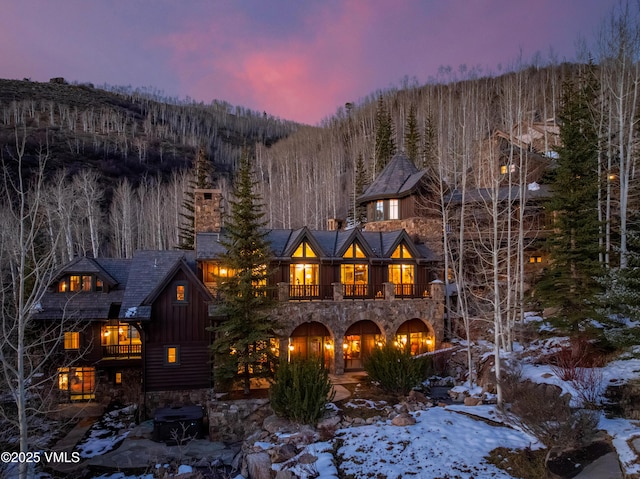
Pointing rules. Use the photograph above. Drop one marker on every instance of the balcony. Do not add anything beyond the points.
(345, 292)
(122, 351)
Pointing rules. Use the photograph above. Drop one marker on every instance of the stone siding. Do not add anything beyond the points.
(232, 421)
(178, 398)
(426, 230)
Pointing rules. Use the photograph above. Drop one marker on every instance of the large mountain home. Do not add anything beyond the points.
(139, 325)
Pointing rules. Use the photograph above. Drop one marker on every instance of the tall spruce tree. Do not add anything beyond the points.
(201, 177)
(385, 146)
(242, 346)
(412, 137)
(429, 151)
(570, 280)
(358, 213)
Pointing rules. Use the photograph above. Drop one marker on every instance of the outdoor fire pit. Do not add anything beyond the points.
(176, 425)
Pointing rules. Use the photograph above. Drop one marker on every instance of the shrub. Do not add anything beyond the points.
(301, 391)
(395, 369)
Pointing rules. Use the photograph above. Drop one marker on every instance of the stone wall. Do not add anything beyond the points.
(388, 315)
(425, 230)
(178, 398)
(207, 211)
(232, 421)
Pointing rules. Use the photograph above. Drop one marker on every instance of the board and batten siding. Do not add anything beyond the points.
(182, 326)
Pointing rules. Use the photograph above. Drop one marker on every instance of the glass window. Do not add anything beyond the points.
(78, 383)
(74, 283)
(86, 283)
(304, 251)
(354, 251)
(63, 286)
(354, 273)
(118, 378)
(393, 210)
(99, 285)
(72, 340)
(300, 273)
(172, 355)
(401, 252)
(180, 291)
(379, 211)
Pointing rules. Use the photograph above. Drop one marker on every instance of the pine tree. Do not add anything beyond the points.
(242, 346)
(429, 154)
(358, 213)
(412, 137)
(385, 146)
(570, 281)
(201, 177)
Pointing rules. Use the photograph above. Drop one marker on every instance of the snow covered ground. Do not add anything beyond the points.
(444, 442)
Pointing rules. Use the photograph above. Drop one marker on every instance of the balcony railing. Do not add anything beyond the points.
(122, 351)
(337, 291)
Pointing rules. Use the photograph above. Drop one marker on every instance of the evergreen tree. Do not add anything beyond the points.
(412, 137)
(385, 145)
(570, 281)
(622, 285)
(429, 153)
(201, 178)
(242, 344)
(358, 213)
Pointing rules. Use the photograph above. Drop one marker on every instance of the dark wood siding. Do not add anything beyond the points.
(181, 325)
(192, 372)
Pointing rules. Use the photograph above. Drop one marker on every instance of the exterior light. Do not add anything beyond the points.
(345, 346)
(291, 347)
(328, 345)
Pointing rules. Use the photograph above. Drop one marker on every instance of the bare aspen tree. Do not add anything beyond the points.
(26, 344)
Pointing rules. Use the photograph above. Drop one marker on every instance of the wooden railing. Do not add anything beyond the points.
(122, 351)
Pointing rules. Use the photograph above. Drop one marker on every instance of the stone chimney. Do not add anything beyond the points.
(208, 211)
(334, 224)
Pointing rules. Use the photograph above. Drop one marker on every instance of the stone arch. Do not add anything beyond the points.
(417, 334)
(359, 340)
(311, 339)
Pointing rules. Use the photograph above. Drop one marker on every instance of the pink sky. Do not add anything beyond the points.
(298, 60)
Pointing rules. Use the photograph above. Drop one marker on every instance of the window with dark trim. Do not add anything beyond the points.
(72, 340)
(180, 292)
(172, 355)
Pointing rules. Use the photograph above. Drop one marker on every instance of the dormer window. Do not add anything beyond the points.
(80, 282)
(379, 211)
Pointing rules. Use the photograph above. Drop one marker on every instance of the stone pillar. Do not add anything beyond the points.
(283, 292)
(338, 293)
(389, 291)
(338, 354)
(437, 296)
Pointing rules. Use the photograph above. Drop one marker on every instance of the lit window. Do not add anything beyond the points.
(504, 169)
(63, 286)
(172, 355)
(535, 259)
(86, 283)
(99, 285)
(393, 210)
(74, 283)
(304, 251)
(180, 293)
(118, 378)
(78, 383)
(401, 252)
(72, 340)
(354, 251)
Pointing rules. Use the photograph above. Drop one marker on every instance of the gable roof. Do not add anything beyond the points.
(327, 244)
(87, 305)
(149, 275)
(398, 179)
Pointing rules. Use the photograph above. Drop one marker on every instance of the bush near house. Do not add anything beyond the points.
(301, 390)
(395, 370)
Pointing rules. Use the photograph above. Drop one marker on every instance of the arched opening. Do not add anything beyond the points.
(359, 341)
(415, 335)
(311, 340)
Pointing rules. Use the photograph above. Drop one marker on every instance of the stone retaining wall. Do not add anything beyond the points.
(232, 421)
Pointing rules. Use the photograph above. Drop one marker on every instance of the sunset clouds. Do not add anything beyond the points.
(296, 60)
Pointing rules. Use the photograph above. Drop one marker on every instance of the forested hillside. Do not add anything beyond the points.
(121, 132)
